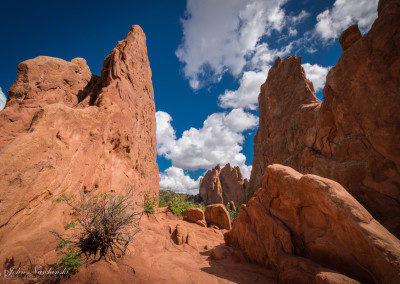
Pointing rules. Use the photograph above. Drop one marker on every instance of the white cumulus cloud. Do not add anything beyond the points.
(332, 22)
(176, 180)
(316, 74)
(246, 96)
(3, 99)
(220, 140)
(218, 35)
(246, 171)
(165, 133)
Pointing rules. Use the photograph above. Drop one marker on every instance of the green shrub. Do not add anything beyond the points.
(178, 205)
(232, 214)
(178, 202)
(149, 203)
(70, 258)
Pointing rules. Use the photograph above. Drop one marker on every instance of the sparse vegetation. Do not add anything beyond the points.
(104, 227)
(149, 203)
(177, 202)
(70, 258)
(232, 214)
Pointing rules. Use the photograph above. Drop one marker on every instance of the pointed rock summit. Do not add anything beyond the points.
(66, 131)
(223, 185)
(352, 136)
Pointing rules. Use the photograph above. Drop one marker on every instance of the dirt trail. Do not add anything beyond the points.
(157, 259)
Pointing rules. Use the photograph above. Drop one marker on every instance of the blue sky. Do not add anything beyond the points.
(208, 59)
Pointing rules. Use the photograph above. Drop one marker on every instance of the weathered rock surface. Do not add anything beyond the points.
(232, 206)
(307, 227)
(195, 215)
(216, 214)
(223, 185)
(180, 235)
(66, 131)
(352, 136)
(349, 36)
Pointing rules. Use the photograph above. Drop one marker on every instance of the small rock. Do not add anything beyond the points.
(180, 235)
(221, 252)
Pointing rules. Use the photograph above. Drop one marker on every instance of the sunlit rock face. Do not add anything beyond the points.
(223, 185)
(309, 229)
(352, 136)
(66, 131)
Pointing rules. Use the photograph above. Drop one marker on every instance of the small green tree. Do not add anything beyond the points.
(149, 202)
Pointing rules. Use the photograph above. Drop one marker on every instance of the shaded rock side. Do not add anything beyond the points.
(309, 228)
(352, 136)
(65, 131)
(223, 185)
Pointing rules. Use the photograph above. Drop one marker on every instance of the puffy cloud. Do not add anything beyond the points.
(316, 74)
(218, 141)
(246, 96)
(218, 35)
(177, 181)
(332, 22)
(165, 133)
(3, 99)
(246, 171)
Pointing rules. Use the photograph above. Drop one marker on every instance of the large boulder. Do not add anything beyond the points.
(223, 185)
(352, 136)
(309, 228)
(65, 131)
(216, 214)
(195, 215)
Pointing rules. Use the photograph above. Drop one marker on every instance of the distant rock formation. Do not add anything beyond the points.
(223, 185)
(311, 230)
(352, 136)
(66, 131)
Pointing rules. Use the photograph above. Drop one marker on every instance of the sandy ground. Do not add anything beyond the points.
(157, 259)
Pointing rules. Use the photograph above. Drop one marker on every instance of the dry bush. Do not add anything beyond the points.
(104, 226)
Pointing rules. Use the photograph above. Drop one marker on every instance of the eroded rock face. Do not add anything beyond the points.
(65, 131)
(223, 185)
(310, 228)
(352, 136)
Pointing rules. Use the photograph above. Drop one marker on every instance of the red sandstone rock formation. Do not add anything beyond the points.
(65, 131)
(216, 214)
(351, 137)
(309, 228)
(195, 215)
(223, 185)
